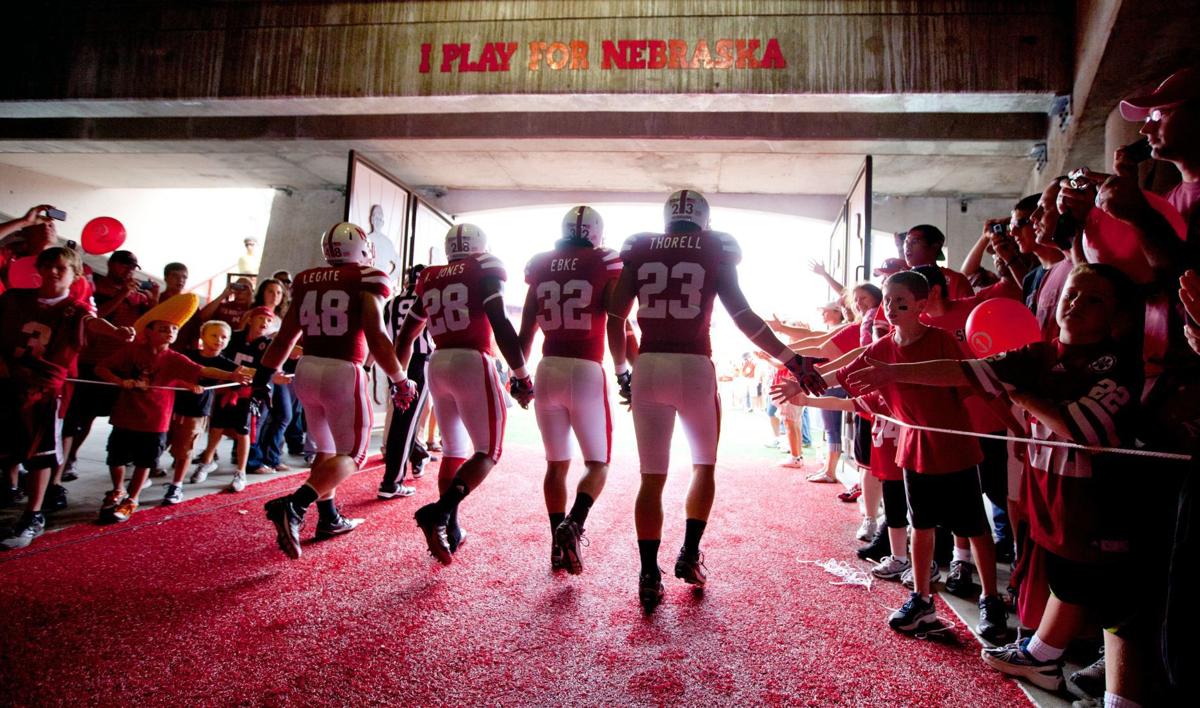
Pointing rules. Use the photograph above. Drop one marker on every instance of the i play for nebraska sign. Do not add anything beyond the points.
(614, 54)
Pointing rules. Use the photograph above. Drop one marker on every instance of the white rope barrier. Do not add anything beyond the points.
(1050, 443)
(231, 384)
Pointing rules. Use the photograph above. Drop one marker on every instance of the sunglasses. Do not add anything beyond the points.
(1019, 223)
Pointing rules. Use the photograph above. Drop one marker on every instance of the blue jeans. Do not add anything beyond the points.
(268, 446)
(805, 438)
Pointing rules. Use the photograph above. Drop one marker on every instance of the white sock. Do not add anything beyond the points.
(1112, 700)
(1043, 651)
(962, 554)
(901, 554)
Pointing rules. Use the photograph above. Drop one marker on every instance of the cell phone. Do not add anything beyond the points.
(1000, 229)
(146, 285)
(1138, 151)
(239, 286)
(56, 214)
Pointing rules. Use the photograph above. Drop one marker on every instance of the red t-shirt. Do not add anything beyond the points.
(126, 314)
(935, 406)
(450, 300)
(1048, 293)
(329, 299)
(954, 320)
(884, 434)
(957, 284)
(676, 278)
(569, 283)
(1081, 505)
(846, 339)
(149, 411)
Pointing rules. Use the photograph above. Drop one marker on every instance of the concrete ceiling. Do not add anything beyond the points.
(931, 145)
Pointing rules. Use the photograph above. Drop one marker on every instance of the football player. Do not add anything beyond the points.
(569, 291)
(401, 446)
(675, 277)
(338, 309)
(462, 305)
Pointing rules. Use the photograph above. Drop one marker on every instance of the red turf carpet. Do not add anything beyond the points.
(195, 605)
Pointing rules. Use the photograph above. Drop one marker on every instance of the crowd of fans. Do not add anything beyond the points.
(1096, 511)
(1099, 540)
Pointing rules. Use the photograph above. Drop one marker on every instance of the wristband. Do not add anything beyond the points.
(622, 368)
(520, 372)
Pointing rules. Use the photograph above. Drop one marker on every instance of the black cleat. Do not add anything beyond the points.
(650, 590)
(568, 537)
(690, 567)
(391, 490)
(338, 527)
(456, 537)
(433, 523)
(993, 620)
(556, 556)
(288, 522)
(56, 498)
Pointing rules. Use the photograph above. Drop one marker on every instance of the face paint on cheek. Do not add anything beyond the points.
(902, 308)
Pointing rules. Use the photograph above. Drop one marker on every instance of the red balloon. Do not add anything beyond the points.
(1000, 325)
(22, 273)
(103, 234)
(1107, 239)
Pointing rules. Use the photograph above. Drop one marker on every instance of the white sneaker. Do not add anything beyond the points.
(793, 462)
(202, 471)
(866, 530)
(773, 443)
(891, 567)
(239, 482)
(935, 574)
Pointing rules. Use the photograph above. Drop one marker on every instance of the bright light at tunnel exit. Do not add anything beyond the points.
(774, 272)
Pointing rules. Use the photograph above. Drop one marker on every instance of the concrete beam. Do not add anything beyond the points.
(624, 125)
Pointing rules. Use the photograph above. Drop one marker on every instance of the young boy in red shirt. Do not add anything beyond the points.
(41, 333)
(1083, 507)
(941, 474)
(142, 413)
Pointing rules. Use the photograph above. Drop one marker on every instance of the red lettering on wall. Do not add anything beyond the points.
(745, 54)
(612, 56)
(678, 54)
(724, 54)
(633, 52)
(426, 49)
(579, 52)
(773, 56)
(658, 54)
(701, 57)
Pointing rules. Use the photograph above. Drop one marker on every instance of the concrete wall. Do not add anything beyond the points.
(293, 241)
(202, 228)
(962, 228)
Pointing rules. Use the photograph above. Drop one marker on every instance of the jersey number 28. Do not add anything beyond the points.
(447, 309)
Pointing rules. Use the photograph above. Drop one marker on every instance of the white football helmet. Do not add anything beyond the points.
(583, 223)
(686, 205)
(347, 244)
(465, 240)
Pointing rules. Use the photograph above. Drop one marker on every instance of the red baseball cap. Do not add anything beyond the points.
(262, 310)
(891, 265)
(1183, 85)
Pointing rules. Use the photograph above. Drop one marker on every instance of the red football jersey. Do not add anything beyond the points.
(934, 406)
(957, 284)
(330, 302)
(1081, 505)
(676, 279)
(450, 300)
(569, 284)
(40, 342)
(884, 434)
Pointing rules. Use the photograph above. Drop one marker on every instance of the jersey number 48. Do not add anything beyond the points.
(325, 314)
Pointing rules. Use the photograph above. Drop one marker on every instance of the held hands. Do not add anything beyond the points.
(403, 393)
(242, 375)
(625, 388)
(1189, 294)
(789, 391)
(804, 368)
(521, 390)
(876, 374)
